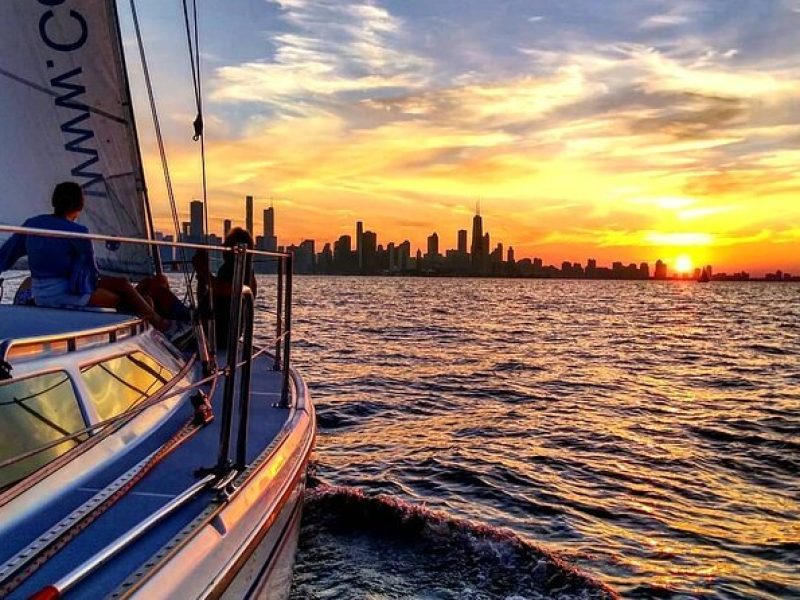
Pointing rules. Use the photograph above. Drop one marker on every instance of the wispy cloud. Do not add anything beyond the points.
(680, 13)
(329, 48)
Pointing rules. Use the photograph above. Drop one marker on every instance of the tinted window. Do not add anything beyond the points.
(33, 412)
(120, 383)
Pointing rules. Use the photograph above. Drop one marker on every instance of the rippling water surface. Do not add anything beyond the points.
(648, 433)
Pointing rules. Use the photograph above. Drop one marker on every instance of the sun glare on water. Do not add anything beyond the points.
(683, 264)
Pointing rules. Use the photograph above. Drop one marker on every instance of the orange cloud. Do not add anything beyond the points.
(625, 153)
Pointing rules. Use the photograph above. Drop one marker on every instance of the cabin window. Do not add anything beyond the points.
(34, 412)
(120, 383)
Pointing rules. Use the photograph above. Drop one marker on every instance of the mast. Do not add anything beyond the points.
(128, 105)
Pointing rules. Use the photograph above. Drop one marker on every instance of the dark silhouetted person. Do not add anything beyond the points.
(221, 285)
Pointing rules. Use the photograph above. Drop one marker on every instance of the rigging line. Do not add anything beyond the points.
(161, 150)
(199, 133)
(194, 61)
(189, 42)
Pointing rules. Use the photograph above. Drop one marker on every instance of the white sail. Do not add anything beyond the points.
(65, 115)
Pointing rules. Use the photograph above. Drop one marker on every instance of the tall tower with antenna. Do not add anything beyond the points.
(477, 240)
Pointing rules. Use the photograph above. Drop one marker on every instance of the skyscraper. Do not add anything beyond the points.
(369, 249)
(403, 256)
(462, 241)
(226, 227)
(342, 252)
(269, 222)
(325, 259)
(305, 257)
(433, 245)
(196, 230)
(391, 251)
(496, 256)
(511, 254)
(360, 244)
(270, 240)
(249, 214)
(477, 242)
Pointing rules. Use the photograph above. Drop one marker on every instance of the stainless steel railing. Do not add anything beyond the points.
(241, 330)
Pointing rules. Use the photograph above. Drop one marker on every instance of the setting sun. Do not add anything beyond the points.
(683, 264)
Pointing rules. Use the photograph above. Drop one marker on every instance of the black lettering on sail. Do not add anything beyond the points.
(81, 135)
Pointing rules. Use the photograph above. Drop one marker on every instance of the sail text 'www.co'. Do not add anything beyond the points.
(71, 35)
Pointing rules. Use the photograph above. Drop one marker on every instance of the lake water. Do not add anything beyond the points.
(483, 438)
(648, 433)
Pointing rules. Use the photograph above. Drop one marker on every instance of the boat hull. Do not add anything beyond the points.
(268, 570)
(243, 547)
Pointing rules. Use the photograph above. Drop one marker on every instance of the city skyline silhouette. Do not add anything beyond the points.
(361, 254)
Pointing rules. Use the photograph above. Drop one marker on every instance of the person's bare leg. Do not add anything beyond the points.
(104, 299)
(157, 289)
(131, 299)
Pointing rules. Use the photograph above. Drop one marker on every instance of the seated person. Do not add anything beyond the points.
(156, 290)
(63, 270)
(221, 285)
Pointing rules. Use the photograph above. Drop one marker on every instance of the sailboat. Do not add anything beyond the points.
(129, 468)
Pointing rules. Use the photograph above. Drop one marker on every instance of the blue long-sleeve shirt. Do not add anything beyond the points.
(71, 259)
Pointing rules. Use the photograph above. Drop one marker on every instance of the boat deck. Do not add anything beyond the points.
(22, 322)
(172, 475)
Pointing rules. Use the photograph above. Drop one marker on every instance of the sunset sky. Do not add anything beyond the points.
(614, 129)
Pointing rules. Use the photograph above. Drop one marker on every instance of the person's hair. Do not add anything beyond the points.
(237, 236)
(67, 198)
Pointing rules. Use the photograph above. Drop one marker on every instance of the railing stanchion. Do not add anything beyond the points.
(234, 324)
(287, 339)
(278, 317)
(248, 316)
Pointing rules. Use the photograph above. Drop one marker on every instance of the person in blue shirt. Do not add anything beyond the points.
(63, 270)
